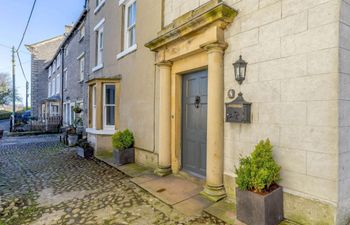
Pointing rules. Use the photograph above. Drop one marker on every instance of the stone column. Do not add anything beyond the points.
(214, 188)
(164, 155)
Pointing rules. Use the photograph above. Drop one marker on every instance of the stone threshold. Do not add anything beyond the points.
(181, 192)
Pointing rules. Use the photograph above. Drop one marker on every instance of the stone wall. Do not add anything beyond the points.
(292, 80)
(344, 112)
(42, 53)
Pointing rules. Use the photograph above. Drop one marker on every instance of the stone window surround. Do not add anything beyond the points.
(175, 57)
(99, 84)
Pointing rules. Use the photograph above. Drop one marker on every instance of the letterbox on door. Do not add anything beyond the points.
(238, 111)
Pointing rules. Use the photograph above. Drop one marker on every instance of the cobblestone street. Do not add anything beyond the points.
(42, 182)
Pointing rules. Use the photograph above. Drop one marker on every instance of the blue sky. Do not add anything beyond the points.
(48, 20)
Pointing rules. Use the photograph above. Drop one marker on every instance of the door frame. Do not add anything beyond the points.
(181, 67)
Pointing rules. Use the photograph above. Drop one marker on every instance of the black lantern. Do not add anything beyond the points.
(240, 67)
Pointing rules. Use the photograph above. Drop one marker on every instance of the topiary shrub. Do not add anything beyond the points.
(122, 140)
(259, 171)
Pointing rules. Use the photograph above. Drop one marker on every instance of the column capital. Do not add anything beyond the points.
(164, 63)
(215, 46)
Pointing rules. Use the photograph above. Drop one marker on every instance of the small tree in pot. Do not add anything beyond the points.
(123, 151)
(259, 198)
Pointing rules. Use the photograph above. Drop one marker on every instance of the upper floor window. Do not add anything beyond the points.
(50, 71)
(82, 31)
(53, 86)
(66, 50)
(58, 84)
(58, 60)
(130, 26)
(99, 4)
(82, 67)
(99, 40)
(65, 79)
(54, 66)
(49, 89)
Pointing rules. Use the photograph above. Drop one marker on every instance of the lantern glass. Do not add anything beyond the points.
(240, 67)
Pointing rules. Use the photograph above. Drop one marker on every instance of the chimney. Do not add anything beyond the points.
(67, 29)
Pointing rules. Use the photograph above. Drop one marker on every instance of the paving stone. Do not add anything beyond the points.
(43, 182)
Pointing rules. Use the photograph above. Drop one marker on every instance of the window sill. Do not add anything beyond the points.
(98, 67)
(100, 132)
(127, 51)
(98, 8)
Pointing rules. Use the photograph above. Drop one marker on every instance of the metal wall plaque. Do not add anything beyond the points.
(238, 111)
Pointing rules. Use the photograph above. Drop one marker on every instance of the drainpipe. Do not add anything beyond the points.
(62, 83)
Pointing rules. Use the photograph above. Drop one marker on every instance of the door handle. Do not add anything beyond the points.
(197, 101)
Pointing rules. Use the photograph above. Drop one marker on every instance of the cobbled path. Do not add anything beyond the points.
(43, 182)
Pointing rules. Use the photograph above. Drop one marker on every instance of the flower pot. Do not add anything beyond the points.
(122, 157)
(86, 153)
(1, 133)
(258, 209)
(72, 140)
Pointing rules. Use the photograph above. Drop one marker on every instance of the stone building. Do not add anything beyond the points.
(41, 52)
(122, 81)
(297, 81)
(67, 73)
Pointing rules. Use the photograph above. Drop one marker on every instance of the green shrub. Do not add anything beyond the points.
(122, 140)
(258, 171)
(4, 115)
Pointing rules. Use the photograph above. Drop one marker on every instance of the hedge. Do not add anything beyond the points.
(5, 115)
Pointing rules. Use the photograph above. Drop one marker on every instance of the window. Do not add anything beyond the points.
(99, 4)
(94, 106)
(109, 106)
(53, 88)
(58, 60)
(49, 89)
(82, 65)
(130, 24)
(82, 31)
(50, 71)
(99, 42)
(66, 50)
(58, 83)
(65, 78)
(54, 66)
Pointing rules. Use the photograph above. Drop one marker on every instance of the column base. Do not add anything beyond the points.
(214, 193)
(163, 171)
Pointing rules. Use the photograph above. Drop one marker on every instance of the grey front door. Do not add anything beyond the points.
(194, 122)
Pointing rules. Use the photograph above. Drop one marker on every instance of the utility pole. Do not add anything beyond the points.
(13, 86)
(27, 94)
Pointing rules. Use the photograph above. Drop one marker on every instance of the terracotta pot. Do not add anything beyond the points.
(257, 209)
(122, 157)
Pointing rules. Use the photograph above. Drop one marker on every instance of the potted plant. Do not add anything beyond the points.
(84, 149)
(72, 136)
(259, 198)
(123, 151)
(77, 109)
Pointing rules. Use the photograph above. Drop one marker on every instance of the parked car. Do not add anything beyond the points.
(26, 116)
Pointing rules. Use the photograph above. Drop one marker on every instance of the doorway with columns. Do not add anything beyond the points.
(193, 43)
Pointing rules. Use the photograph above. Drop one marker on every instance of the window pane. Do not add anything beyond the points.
(132, 36)
(110, 95)
(110, 115)
(132, 14)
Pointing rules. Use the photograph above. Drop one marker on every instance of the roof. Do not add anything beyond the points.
(69, 35)
(34, 45)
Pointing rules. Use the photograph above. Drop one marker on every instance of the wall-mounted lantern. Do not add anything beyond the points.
(240, 67)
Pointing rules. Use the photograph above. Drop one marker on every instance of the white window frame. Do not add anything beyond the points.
(58, 60)
(104, 105)
(127, 48)
(93, 102)
(82, 31)
(66, 50)
(54, 66)
(99, 29)
(49, 89)
(82, 68)
(58, 83)
(50, 71)
(53, 89)
(99, 4)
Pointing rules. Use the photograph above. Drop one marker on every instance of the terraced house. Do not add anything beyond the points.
(67, 73)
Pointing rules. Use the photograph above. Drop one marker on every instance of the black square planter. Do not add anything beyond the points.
(122, 157)
(256, 209)
(86, 153)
